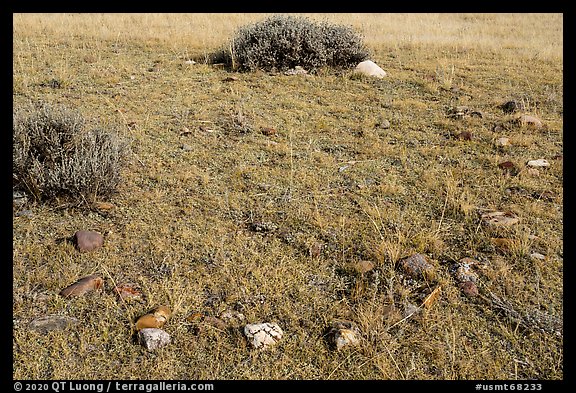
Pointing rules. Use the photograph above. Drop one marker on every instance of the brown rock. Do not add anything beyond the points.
(343, 334)
(154, 319)
(82, 286)
(502, 243)
(418, 266)
(469, 288)
(88, 240)
(230, 79)
(268, 131)
(215, 322)
(506, 165)
(363, 266)
(464, 136)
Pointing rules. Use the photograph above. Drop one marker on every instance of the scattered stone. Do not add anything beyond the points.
(268, 131)
(103, 206)
(464, 136)
(458, 112)
(502, 243)
(154, 319)
(215, 322)
(410, 309)
(48, 323)
(263, 335)
(343, 334)
(88, 240)
(512, 106)
(153, 338)
(469, 288)
(477, 113)
(233, 317)
(315, 249)
(190, 62)
(527, 120)
(25, 213)
(537, 255)
(503, 142)
(499, 218)
(230, 79)
(263, 227)
(507, 165)
(369, 68)
(83, 286)
(418, 266)
(186, 147)
(127, 292)
(533, 172)
(545, 196)
(363, 266)
(296, 71)
(463, 272)
(539, 163)
(383, 123)
(19, 199)
(558, 157)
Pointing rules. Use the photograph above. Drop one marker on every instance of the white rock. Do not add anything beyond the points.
(263, 335)
(539, 163)
(153, 338)
(296, 71)
(189, 62)
(369, 68)
(232, 317)
(537, 255)
(503, 141)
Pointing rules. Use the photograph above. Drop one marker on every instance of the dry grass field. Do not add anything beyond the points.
(209, 219)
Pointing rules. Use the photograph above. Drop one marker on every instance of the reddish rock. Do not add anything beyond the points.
(464, 136)
(83, 286)
(88, 240)
(418, 266)
(469, 288)
(268, 131)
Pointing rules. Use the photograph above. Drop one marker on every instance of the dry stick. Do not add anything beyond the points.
(443, 211)
(396, 364)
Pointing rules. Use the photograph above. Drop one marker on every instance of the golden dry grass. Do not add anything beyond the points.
(183, 224)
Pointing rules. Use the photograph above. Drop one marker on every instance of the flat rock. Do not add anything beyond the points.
(296, 71)
(369, 68)
(83, 286)
(88, 240)
(263, 335)
(47, 323)
(499, 218)
(153, 338)
(539, 163)
(232, 317)
(469, 288)
(527, 120)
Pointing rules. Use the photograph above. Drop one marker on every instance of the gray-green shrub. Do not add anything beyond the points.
(282, 42)
(56, 157)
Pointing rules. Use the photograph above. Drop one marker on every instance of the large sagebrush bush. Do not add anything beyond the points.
(282, 42)
(56, 157)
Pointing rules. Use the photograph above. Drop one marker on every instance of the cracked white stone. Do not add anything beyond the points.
(263, 335)
(153, 338)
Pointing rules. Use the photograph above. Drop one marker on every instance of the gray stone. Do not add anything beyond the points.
(152, 338)
(48, 323)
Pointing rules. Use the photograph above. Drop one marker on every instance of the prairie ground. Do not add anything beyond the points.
(213, 215)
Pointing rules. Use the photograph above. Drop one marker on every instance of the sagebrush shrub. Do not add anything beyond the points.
(55, 157)
(282, 42)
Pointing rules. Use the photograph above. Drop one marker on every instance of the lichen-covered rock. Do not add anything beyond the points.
(263, 335)
(153, 338)
(418, 266)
